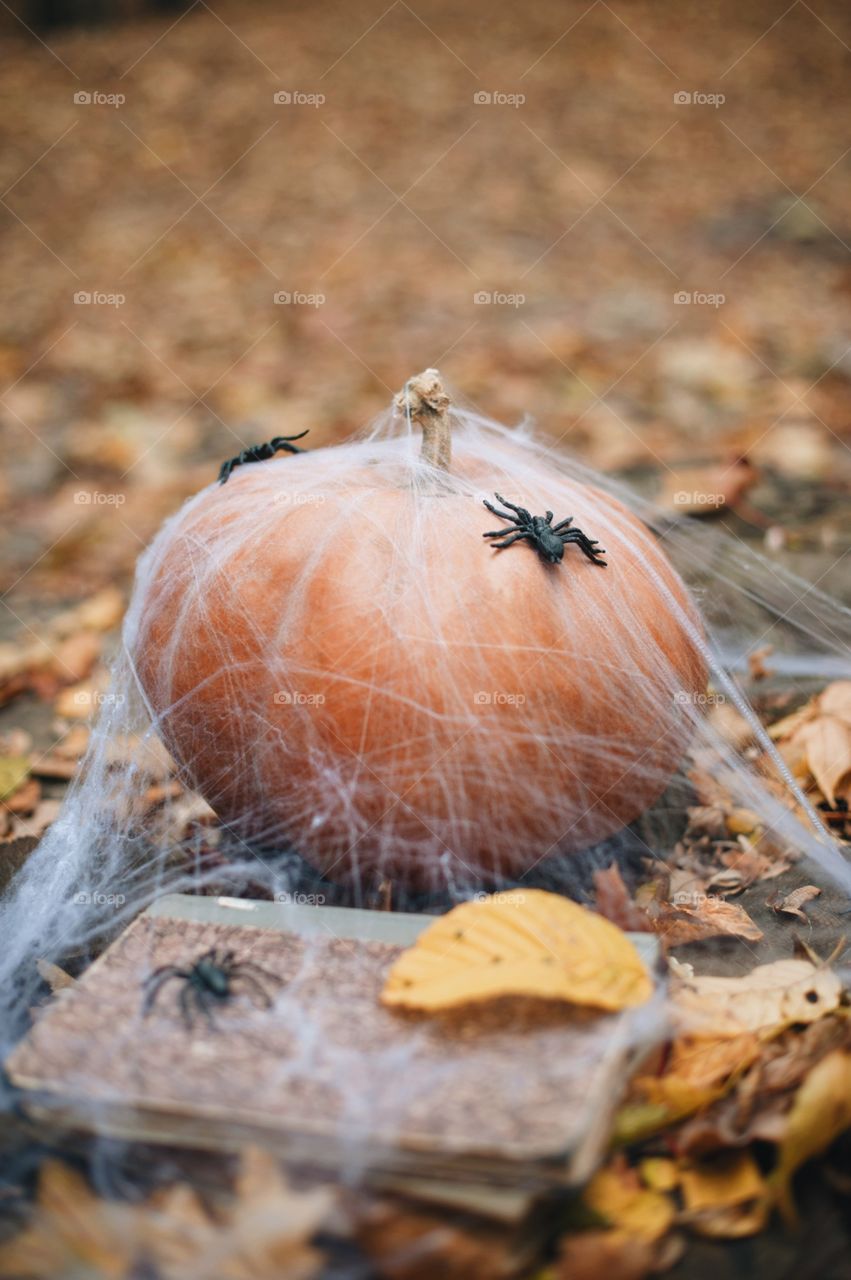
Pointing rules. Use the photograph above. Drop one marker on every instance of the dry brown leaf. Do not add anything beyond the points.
(614, 902)
(820, 1112)
(815, 740)
(57, 979)
(25, 799)
(79, 701)
(827, 742)
(72, 1232)
(263, 1235)
(757, 670)
(54, 766)
(523, 943)
(835, 700)
(792, 903)
(404, 1243)
(705, 490)
(750, 864)
(768, 998)
(588, 1255)
(710, 917)
(699, 1071)
(729, 722)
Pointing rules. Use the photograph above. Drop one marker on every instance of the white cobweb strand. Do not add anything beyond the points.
(98, 865)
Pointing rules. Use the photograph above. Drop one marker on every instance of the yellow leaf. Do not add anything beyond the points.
(725, 1197)
(14, 771)
(722, 1183)
(525, 943)
(616, 1194)
(659, 1173)
(743, 822)
(699, 1072)
(820, 1112)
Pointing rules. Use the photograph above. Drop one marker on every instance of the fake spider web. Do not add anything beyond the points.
(363, 816)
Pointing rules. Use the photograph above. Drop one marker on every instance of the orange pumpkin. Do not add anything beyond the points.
(342, 665)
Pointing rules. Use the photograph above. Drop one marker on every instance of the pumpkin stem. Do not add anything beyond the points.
(423, 400)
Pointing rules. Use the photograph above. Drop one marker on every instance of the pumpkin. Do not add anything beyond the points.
(342, 665)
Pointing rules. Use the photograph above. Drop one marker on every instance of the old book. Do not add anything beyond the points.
(483, 1106)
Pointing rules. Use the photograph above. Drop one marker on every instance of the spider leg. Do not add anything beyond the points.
(563, 524)
(548, 516)
(253, 986)
(154, 984)
(203, 1003)
(576, 535)
(585, 546)
(185, 1006)
(497, 533)
(524, 515)
(503, 515)
(257, 969)
(512, 537)
(226, 469)
(285, 442)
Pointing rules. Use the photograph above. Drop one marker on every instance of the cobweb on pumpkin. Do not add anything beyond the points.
(366, 703)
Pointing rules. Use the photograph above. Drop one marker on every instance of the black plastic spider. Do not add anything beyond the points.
(211, 978)
(549, 540)
(259, 453)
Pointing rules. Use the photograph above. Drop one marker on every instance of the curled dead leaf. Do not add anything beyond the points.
(697, 916)
(793, 902)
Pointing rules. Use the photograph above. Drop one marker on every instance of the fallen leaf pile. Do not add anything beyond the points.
(524, 943)
(765, 1056)
(264, 1234)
